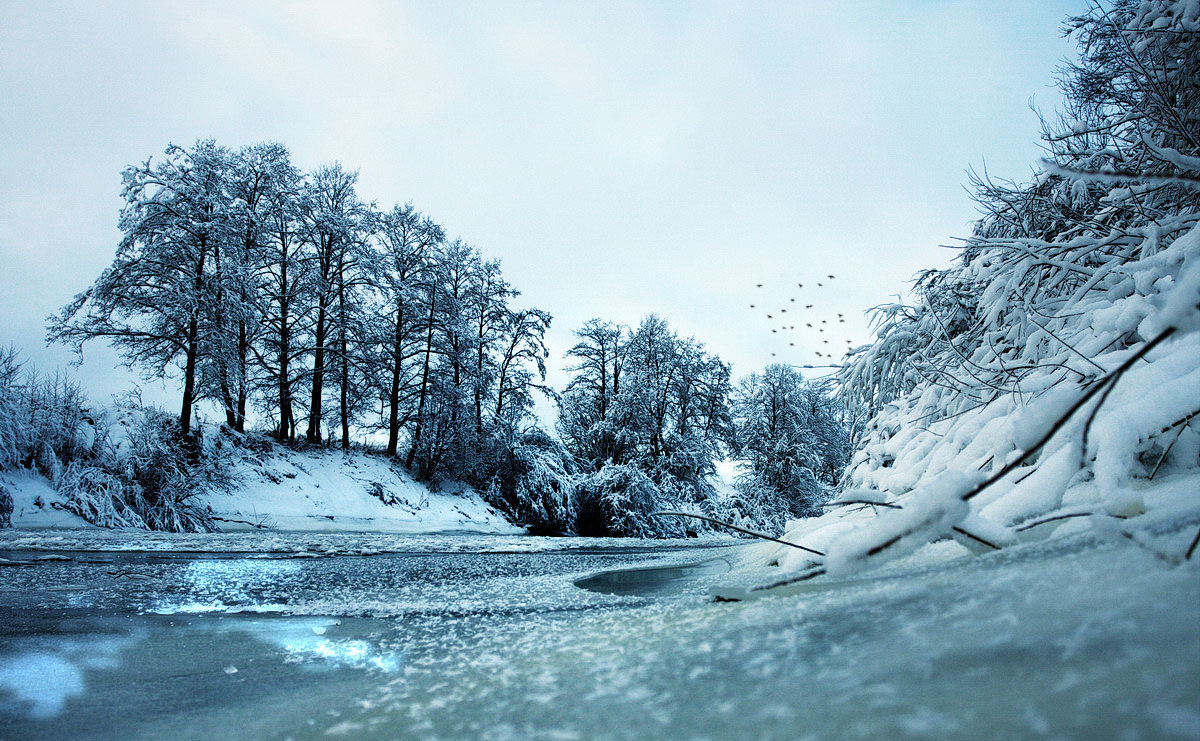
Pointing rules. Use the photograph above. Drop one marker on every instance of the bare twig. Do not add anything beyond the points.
(1087, 426)
(1166, 452)
(1048, 520)
(1056, 518)
(976, 538)
(1067, 344)
(754, 533)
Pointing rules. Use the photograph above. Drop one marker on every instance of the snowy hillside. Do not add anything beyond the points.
(329, 490)
(320, 490)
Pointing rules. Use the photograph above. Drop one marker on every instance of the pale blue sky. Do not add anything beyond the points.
(619, 158)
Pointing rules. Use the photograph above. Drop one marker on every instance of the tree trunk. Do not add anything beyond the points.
(318, 385)
(286, 421)
(345, 390)
(412, 451)
(243, 354)
(193, 349)
(189, 379)
(394, 390)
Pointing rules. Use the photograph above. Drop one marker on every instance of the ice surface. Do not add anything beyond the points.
(1079, 636)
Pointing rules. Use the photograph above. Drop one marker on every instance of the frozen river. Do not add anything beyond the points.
(493, 638)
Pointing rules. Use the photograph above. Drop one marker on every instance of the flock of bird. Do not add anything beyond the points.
(779, 321)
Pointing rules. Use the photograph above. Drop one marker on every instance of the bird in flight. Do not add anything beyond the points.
(808, 306)
(759, 285)
(820, 285)
(831, 277)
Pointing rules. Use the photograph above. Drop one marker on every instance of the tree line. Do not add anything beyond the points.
(284, 298)
(285, 292)
(649, 411)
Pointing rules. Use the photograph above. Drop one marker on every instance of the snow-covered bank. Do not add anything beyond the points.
(334, 491)
(312, 490)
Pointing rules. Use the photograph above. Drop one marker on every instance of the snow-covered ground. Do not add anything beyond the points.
(333, 491)
(314, 490)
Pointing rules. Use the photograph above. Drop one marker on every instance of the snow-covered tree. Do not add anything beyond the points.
(408, 241)
(283, 286)
(651, 401)
(158, 301)
(793, 439)
(1052, 370)
(332, 222)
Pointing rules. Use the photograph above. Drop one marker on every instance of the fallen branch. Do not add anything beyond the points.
(812, 574)
(258, 525)
(843, 502)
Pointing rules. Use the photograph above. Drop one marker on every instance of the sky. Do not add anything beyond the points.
(620, 159)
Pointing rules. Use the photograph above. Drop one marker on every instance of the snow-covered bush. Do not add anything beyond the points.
(146, 473)
(127, 466)
(618, 501)
(534, 483)
(753, 505)
(6, 507)
(99, 496)
(43, 420)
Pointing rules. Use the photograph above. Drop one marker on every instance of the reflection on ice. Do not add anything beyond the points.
(226, 585)
(40, 683)
(41, 675)
(305, 641)
(191, 607)
(354, 653)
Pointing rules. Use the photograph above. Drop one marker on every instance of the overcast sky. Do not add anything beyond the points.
(620, 159)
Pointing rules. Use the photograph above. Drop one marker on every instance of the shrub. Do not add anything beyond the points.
(617, 502)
